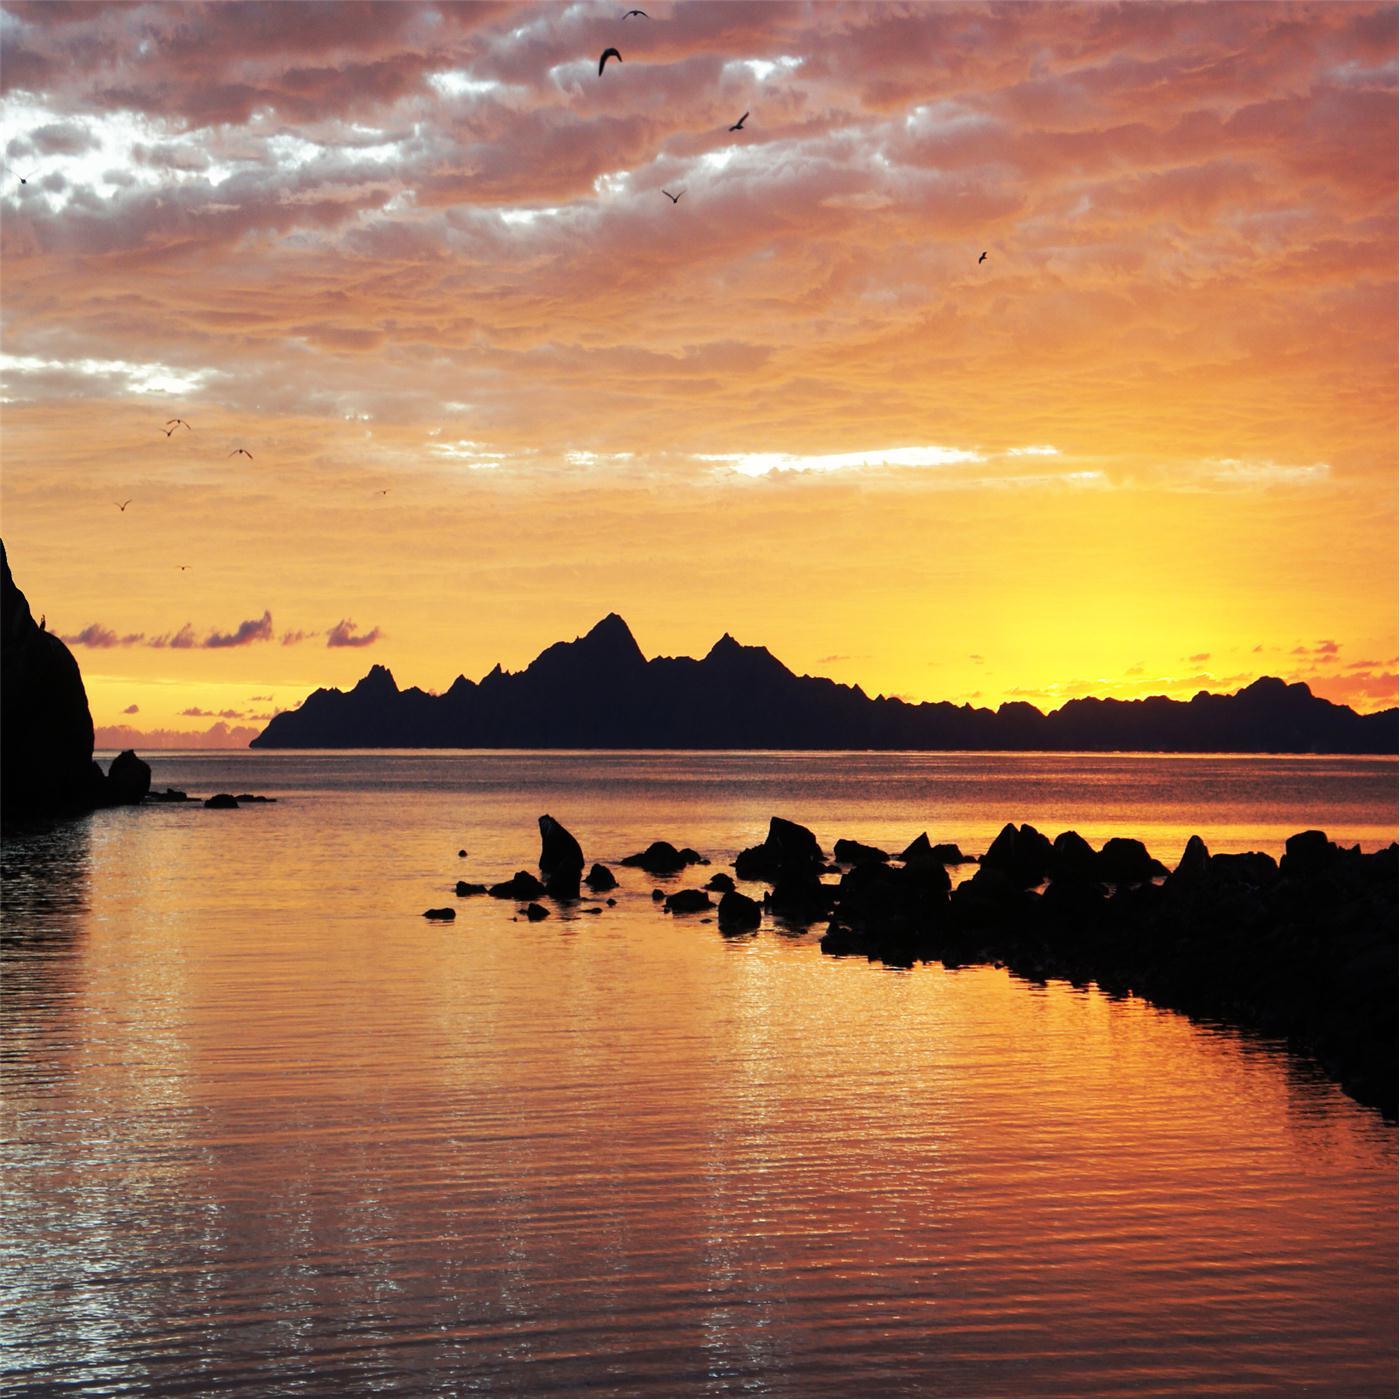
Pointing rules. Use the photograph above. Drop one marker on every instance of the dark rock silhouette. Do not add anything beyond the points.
(920, 851)
(855, 853)
(464, 888)
(741, 697)
(169, 795)
(221, 801)
(687, 902)
(788, 849)
(128, 779)
(1304, 949)
(660, 858)
(521, 886)
(738, 913)
(719, 883)
(600, 879)
(561, 859)
(536, 912)
(444, 913)
(45, 723)
(254, 797)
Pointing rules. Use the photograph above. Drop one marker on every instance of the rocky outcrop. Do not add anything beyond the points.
(45, 724)
(662, 858)
(600, 879)
(687, 902)
(128, 779)
(561, 859)
(738, 913)
(742, 697)
(521, 886)
(1304, 949)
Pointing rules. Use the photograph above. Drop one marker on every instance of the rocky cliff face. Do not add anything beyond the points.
(46, 765)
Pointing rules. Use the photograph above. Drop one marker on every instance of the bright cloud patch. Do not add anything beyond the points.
(765, 463)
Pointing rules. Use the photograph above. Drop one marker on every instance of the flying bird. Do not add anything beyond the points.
(674, 198)
(384, 492)
(642, 14)
(241, 452)
(607, 54)
(739, 125)
(982, 259)
(173, 423)
(122, 505)
(183, 567)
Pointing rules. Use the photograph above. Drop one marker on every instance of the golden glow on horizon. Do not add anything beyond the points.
(495, 386)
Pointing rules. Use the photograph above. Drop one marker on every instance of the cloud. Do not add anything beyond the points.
(218, 736)
(183, 640)
(254, 630)
(96, 635)
(343, 635)
(132, 710)
(291, 639)
(1328, 648)
(1199, 658)
(196, 712)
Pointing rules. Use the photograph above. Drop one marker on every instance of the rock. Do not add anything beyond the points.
(688, 902)
(536, 912)
(561, 857)
(660, 858)
(857, 853)
(443, 913)
(720, 883)
(918, 849)
(169, 795)
(738, 913)
(521, 886)
(611, 903)
(1307, 853)
(1124, 861)
(464, 889)
(596, 909)
(1072, 858)
(787, 849)
(45, 724)
(128, 779)
(1023, 855)
(250, 797)
(657, 896)
(692, 857)
(461, 855)
(948, 853)
(1194, 862)
(221, 800)
(601, 878)
(800, 897)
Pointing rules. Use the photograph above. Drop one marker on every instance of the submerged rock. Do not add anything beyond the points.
(444, 913)
(464, 889)
(660, 858)
(738, 913)
(536, 912)
(600, 878)
(719, 883)
(521, 886)
(222, 801)
(688, 902)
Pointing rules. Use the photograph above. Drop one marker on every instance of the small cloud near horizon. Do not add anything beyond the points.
(253, 630)
(96, 635)
(343, 635)
(132, 710)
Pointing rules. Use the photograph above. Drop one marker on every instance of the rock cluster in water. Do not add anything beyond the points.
(1302, 948)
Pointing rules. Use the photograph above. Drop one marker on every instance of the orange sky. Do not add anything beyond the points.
(1149, 446)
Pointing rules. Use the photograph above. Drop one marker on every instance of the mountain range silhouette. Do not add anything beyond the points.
(599, 691)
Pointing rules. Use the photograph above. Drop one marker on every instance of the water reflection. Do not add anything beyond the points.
(269, 1130)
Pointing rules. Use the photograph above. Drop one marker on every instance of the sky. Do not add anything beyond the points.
(490, 383)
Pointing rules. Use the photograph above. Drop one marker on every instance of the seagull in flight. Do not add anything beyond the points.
(641, 13)
(739, 125)
(384, 492)
(183, 567)
(122, 505)
(607, 54)
(982, 259)
(173, 423)
(674, 198)
(241, 452)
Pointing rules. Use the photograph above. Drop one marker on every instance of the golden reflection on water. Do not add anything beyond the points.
(267, 1129)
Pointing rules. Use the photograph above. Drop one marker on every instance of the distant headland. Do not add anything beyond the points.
(600, 692)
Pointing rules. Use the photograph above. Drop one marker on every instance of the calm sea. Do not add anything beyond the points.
(268, 1131)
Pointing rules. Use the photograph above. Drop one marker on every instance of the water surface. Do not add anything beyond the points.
(266, 1130)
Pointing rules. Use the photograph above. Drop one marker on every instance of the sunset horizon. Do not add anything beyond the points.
(456, 379)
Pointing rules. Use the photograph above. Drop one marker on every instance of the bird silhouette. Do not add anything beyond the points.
(674, 198)
(241, 452)
(739, 125)
(24, 179)
(384, 492)
(173, 423)
(122, 505)
(640, 13)
(183, 567)
(982, 259)
(607, 54)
